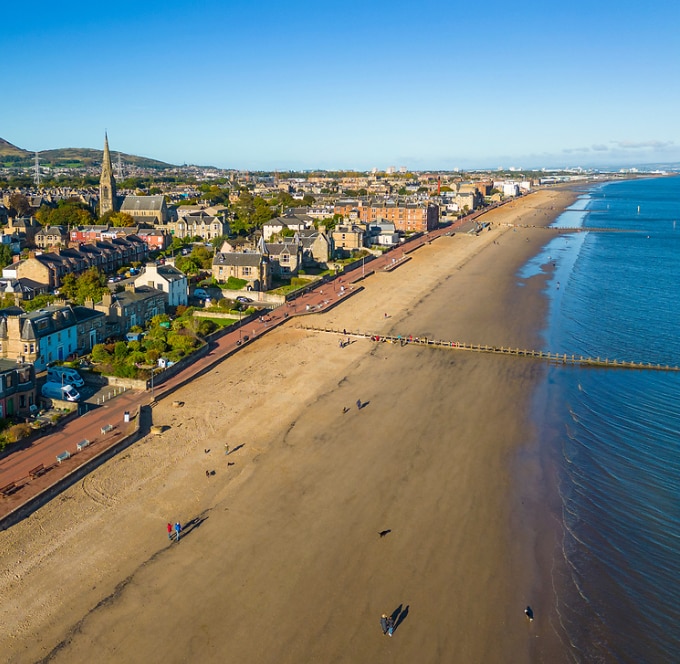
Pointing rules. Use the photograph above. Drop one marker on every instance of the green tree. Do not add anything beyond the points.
(118, 219)
(90, 285)
(18, 203)
(5, 255)
(69, 286)
(38, 302)
(70, 212)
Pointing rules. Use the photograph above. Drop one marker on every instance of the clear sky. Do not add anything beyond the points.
(311, 84)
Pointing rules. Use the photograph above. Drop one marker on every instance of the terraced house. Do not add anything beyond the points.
(17, 388)
(50, 267)
(50, 334)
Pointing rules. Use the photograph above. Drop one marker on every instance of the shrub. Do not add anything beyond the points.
(152, 356)
(18, 431)
(120, 350)
(206, 327)
(100, 354)
(125, 371)
(236, 284)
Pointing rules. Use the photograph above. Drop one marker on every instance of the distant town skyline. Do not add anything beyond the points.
(354, 86)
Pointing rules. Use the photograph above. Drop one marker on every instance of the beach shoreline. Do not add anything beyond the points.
(284, 561)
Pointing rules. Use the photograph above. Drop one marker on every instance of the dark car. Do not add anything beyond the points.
(243, 299)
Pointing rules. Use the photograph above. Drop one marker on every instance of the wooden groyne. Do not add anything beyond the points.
(552, 358)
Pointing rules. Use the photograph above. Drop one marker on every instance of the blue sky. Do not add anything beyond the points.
(349, 84)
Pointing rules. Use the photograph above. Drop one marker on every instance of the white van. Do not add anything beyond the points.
(64, 392)
(64, 375)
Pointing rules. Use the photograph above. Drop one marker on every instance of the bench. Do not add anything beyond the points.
(106, 428)
(63, 456)
(82, 444)
(37, 471)
(8, 488)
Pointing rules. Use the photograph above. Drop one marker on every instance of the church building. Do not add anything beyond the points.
(107, 184)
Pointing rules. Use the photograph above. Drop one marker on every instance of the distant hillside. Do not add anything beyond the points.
(13, 157)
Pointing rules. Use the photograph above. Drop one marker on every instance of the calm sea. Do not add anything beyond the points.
(612, 436)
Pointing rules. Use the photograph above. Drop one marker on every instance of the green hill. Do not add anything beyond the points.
(13, 157)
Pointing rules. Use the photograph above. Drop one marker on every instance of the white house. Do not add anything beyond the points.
(168, 279)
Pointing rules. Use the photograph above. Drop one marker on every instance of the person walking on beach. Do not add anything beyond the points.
(359, 404)
(169, 531)
(383, 623)
(178, 529)
(390, 626)
(226, 448)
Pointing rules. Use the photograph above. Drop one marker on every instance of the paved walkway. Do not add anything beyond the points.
(15, 467)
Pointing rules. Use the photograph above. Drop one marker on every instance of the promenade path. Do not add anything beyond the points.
(15, 467)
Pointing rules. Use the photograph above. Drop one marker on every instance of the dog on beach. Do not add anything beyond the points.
(382, 533)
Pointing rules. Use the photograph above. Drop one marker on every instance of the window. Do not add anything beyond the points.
(25, 348)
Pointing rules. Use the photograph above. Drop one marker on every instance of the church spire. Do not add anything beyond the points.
(107, 183)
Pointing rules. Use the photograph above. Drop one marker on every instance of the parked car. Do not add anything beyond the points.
(59, 391)
(243, 299)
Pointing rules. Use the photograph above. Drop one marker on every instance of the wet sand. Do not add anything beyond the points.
(282, 560)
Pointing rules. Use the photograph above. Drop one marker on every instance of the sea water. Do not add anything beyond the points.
(612, 435)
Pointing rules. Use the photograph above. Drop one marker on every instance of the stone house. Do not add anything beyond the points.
(198, 224)
(349, 238)
(136, 305)
(51, 236)
(18, 390)
(50, 267)
(284, 258)
(317, 247)
(252, 267)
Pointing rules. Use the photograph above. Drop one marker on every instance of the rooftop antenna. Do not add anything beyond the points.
(37, 170)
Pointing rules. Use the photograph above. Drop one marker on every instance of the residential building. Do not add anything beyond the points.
(198, 224)
(22, 289)
(51, 236)
(350, 237)
(252, 267)
(317, 247)
(90, 329)
(289, 222)
(406, 216)
(47, 335)
(157, 239)
(284, 258)
(50, 267)
(18, 391)
(136, 305)
(168, 279)
(382, 233)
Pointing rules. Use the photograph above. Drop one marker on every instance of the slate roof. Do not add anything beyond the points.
(238, 259)
(139, 203)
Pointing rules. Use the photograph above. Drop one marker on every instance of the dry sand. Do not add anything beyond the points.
(284, 562)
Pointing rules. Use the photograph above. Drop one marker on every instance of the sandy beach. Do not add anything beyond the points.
(281, 559)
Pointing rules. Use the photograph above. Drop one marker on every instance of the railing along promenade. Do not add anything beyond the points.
(552, 358)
